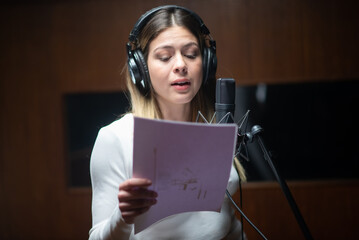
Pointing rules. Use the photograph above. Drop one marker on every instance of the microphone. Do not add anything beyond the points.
(224, 111)
(225, 96)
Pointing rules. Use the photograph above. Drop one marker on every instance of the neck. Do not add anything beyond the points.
(180, 112)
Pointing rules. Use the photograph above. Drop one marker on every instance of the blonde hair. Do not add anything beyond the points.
(147, 106)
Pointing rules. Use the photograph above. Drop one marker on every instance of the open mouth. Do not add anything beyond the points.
(181, 83)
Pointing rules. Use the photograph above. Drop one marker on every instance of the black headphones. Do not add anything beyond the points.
(137, 63)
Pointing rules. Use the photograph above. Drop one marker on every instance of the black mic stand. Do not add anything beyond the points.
(254, 134)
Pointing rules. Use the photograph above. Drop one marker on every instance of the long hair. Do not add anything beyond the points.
(148, 107)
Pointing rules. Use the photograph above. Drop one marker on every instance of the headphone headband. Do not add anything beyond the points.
(147, 16)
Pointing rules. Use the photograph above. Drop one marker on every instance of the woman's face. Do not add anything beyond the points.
(175, 66)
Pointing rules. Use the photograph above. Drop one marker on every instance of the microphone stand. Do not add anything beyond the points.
(254, 134)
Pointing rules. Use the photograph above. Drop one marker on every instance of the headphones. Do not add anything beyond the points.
(137, 63)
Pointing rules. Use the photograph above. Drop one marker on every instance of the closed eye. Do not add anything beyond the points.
(191, 56)
(164, 59)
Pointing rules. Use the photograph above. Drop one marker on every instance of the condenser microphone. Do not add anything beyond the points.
(225, 97)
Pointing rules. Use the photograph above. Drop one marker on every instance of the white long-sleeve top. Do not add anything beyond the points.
(111, 164)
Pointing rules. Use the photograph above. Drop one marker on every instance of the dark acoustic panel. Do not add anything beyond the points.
(311, 129)
(85, 114)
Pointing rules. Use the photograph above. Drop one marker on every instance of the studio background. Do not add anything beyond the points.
(59, 58)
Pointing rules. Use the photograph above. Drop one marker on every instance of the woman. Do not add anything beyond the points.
(172, 64)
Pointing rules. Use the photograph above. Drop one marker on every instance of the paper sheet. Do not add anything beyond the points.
(189, 165)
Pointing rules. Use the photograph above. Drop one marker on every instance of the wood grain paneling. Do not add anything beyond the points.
(50, 48)
(281, 41)
(329, 209)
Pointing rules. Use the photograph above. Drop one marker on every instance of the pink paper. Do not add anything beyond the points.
(188, 163)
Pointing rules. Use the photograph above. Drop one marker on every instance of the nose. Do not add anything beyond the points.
(180, 65)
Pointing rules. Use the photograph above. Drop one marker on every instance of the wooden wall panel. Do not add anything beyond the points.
(286, 41)
(329, 209)
(49, 48)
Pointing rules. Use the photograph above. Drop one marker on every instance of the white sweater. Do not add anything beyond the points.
(111, 164)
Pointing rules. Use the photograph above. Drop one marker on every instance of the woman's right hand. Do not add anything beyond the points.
(135, 198)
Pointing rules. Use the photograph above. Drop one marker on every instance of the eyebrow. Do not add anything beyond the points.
(170, 46)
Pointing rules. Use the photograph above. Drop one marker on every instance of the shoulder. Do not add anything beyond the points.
(116, 135)
(123, 123)
(119, 128)
(113, 145)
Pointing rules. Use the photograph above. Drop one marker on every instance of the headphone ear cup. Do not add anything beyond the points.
(205, 66)
(133, 69)
(209, 63)
(212, 68)
(139, 71)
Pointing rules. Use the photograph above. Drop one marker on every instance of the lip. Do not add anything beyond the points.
(182, 80)
(182, 84)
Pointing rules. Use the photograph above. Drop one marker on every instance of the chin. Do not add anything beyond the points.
(184, 100)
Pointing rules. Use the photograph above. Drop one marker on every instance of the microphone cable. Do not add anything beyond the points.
(243, 215)
(241, 204)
